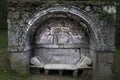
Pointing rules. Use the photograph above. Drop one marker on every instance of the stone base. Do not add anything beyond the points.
(19, 62)
(103, 67)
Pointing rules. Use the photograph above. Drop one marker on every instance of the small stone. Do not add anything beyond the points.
(11, 9)
(87, 8)
(97, 9)
(13, 15)
(109, 9)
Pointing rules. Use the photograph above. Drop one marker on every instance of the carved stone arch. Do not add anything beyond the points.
(78, 15)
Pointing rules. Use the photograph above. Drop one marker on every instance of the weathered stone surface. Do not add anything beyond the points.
(37, 61)
(87, 8)
(27, 22)
(26, 15)
(14, 15)
(19, 59)
(11, 9)
(109, 38)
(104, 65)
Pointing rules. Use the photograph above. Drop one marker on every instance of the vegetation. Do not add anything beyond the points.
(10, 75)
(3, 13)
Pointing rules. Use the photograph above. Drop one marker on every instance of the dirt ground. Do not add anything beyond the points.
(54, 75)
(50, 77)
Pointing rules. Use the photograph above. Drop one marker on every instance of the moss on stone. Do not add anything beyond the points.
(104, 15)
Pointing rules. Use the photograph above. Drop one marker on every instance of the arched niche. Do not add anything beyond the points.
(61, 39)
(74, 13)
(87, 24)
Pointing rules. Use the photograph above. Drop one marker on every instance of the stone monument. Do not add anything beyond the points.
(61, 35)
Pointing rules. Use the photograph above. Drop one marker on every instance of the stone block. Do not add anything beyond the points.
(19, 60)
(103, 66)
(12, 14)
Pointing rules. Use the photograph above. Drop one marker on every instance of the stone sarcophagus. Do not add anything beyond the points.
(61, 36)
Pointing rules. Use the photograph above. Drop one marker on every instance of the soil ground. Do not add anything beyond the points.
(50, 77)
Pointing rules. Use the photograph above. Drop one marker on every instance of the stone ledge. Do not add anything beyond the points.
(59, 67)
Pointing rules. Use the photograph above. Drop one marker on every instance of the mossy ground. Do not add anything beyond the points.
(7, 74)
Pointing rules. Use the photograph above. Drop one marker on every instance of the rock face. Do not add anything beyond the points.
(62, 33)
